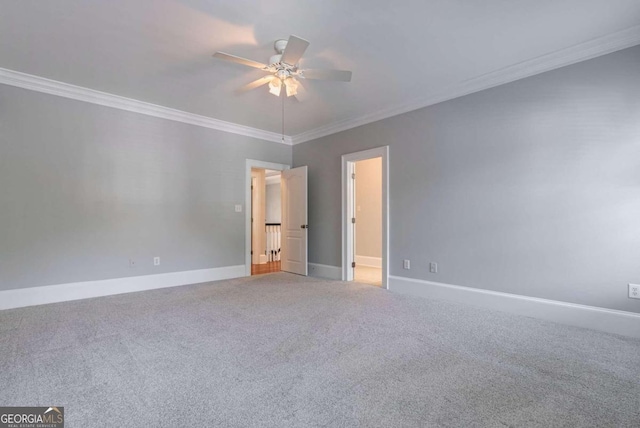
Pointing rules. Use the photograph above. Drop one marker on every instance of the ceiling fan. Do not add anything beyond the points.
(283, 69)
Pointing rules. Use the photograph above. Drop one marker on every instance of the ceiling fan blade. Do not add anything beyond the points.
(302, 95)
(339, 75)
(294, 50)
(239, 60)
(255, 84)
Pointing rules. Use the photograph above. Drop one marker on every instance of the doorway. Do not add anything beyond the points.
(365, 208)
(367, 230)
(266, 221)
(250, 166)
(293, 251)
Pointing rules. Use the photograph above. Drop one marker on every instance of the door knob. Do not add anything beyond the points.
(304, 226)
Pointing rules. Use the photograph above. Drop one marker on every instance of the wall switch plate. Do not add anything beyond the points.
(433, 267)
(238, 208)
(156, 261)
(406, 264)
(634, 291)
(132, 263)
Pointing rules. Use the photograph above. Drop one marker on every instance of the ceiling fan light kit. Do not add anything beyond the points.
(283, 68)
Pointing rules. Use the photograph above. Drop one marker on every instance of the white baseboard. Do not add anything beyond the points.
(84, 290)
(325, 271)
(369, 261)
(602, 319)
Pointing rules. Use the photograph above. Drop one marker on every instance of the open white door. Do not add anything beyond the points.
(294, 220)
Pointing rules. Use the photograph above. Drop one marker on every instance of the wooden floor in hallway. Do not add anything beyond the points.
(368, 275)
(268, 267)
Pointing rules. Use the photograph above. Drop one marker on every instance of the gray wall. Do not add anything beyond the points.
(83, 188)
(530, 188)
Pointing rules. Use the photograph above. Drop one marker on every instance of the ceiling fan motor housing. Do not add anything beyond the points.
(280, 45)
(275, 59)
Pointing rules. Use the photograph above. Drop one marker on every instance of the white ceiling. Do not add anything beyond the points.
(159, 51)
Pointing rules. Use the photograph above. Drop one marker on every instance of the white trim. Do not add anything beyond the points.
(252, 163)
(325, 271)
(574, 54)
(348, 161)
(375, 262)
(348, 231)
(61, 89)
(592, 317)
(87, 289)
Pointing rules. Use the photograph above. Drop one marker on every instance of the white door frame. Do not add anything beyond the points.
(348, 210)
(252, 163)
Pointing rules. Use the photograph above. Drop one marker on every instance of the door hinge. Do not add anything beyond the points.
(353, 264)
(252, 252)
(353, 175)
(353, 220)
(252, 187)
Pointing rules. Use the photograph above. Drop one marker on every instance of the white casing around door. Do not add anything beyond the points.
(294, 220)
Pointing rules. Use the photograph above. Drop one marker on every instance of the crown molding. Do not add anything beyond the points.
(581, 52)
(574, 54)
(61, 89)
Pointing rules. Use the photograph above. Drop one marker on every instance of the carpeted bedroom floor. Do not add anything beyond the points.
(282, 350)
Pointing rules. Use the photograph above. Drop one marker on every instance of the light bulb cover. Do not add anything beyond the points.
(275, 86)
(292, 86)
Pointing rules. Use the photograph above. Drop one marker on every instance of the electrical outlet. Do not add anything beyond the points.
(132, 263)
(634, 291)
(238, 208)
(433, 267)
(406, 264)
(156, 261)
